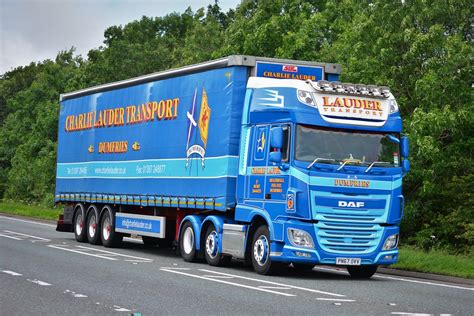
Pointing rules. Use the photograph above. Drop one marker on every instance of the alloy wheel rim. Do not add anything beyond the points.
(79, 224)
(211, 245)
(260, 250)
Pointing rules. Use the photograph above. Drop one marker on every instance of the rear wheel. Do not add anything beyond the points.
(212, 254)
(187, 243)
(79, 229)
(260, 253)
(362, 272)
(93, 231)
(110, 238)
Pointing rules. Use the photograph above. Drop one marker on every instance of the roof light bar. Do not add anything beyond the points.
(349, 88)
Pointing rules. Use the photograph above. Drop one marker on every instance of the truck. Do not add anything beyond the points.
(270, 161)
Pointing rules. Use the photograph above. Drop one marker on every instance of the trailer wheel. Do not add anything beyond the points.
(260, 253)
(93, 231)
(79, 229)
(187, 243)
(362, 272)
(211, 252)
(110, 238)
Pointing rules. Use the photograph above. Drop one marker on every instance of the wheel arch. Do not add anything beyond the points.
(106, 208)
(79, 207)
(93, 208)
(196, 221)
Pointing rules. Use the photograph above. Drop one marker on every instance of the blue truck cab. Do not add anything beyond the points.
(270, 161)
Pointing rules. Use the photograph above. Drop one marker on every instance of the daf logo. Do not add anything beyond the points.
(350, 204)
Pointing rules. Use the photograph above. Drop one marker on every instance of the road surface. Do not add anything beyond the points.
(46, 272)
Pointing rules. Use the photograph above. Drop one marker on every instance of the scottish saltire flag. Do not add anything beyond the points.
(192, 119)
(204, 117)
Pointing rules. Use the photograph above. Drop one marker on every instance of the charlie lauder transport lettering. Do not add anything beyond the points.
(269, 161)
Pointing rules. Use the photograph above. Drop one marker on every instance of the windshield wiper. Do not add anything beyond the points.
(357, 161)
(376, 163)
(320, 159)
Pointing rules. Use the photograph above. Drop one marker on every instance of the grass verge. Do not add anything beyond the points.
(436, 261)
(15, 208)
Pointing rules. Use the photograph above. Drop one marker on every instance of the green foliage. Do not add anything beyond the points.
(436, 261)
(423, 50)
(30, 210)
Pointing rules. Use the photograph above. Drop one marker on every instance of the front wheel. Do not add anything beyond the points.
(362, 272)
(260, 253)
(212, 254)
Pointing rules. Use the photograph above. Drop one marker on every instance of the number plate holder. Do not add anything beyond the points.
(348, 261)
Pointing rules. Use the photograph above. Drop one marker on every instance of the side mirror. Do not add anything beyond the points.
(276, 138)
(405, 165)
(404, 148)
(275, 156)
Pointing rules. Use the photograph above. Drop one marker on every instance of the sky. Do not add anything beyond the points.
(35, 30)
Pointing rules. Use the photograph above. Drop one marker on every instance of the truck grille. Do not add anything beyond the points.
(344, 237)
(349, 230)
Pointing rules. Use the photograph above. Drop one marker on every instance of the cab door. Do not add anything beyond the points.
(255, 186)
(277, 176)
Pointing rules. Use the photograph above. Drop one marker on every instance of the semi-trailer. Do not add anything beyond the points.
(270, 161)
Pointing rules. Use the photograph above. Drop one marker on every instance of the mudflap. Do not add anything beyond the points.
(61, 226)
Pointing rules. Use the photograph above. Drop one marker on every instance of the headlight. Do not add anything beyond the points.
(391, 242)
(393, 106)
(300, 238)
(306, 97)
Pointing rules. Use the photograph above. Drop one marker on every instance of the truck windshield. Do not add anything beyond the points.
(353, 147)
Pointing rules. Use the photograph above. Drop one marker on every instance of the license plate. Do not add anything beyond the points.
(348, 261)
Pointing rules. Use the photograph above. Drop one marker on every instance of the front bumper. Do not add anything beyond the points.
(286, 252)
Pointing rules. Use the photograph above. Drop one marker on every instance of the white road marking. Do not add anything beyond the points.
(226, 282)
(80, 252)
(171, 268)
(218, 276)
(115, 253)
(42, 283)
(31, 236)
(274, 287)
(12, 273)
(402, 279)
(6, 236)
(426, 282)
(80, 295)
(120, 309)
(274, 283)
(25, 221)
(334, 299)
(411, 314)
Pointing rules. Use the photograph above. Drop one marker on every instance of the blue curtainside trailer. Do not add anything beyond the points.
(271, 161)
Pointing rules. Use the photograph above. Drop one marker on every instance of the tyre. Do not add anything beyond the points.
(303, 266)
(93, 231)
(150, 241)
(187, 243)
(109, 237)
(260, 253)
(211, 251)
(362, 272)
(79, 225)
